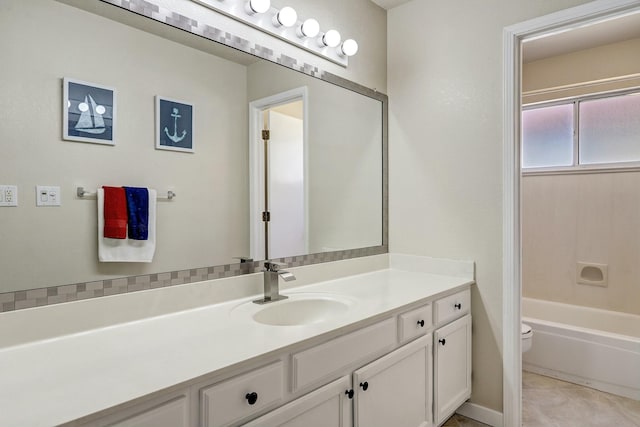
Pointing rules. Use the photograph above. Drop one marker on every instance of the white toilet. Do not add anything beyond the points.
(527, 336)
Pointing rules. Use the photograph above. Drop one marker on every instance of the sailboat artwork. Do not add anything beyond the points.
(90, 120)
(89, 112)
(174, 125)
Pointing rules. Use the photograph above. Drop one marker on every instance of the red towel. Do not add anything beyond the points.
(115, 213)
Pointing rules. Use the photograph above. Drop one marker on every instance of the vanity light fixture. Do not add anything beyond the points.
(286, 25)
(258, 6)
(287, 17)
(309, 28)
(331, 38)
(348, 48)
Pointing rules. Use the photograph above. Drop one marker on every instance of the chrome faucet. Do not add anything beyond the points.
(271, 274)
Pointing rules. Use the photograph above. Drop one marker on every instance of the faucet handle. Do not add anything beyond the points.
(271, 266)
(243, 259)
(286, 276)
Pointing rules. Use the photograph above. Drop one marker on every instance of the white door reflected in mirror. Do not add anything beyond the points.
(286, 180)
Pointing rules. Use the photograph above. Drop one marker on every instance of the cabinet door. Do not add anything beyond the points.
(452, 372)
(395, 390)
(329, 406)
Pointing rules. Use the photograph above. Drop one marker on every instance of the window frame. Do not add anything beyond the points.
(576, 167)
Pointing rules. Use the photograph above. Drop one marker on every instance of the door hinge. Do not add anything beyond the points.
(266, 135)
(266, 216)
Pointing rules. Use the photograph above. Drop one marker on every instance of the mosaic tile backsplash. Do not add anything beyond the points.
(10, 301)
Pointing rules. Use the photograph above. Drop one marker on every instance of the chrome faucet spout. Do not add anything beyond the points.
(271, 289)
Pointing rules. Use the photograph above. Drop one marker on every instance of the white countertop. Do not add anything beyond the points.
(53, 381)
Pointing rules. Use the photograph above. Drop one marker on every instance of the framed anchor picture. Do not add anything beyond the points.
(88, 112)
(174, 125)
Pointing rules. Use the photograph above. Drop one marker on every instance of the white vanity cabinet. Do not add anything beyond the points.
(170, 414)
(452, 355)
(329, 406)
(225, 403)
(395, 390)
(410, 368)
(171, 410)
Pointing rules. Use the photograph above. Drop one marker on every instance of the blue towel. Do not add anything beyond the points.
(138, 212)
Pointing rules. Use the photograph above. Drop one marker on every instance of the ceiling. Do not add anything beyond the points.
(598, 34)
(389, 4)
(586, 37)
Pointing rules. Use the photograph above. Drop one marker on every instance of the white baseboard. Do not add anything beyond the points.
(481, 414)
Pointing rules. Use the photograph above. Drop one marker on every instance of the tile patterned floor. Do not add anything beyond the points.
(459, 421)
(547, 402)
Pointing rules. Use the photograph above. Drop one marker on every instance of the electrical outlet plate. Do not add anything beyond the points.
(8, 195)
(47, 195)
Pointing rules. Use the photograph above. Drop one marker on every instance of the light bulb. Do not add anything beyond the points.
(258, 6)
(349, 48)
(287, 17)
(331, 38)
(309, 28)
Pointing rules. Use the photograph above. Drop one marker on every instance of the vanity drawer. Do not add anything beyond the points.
(169, 414)
(414, 323)
(232, 400)
(321, 362)
(452, 307)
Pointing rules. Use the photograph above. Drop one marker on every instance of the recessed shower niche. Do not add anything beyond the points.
(592, 274)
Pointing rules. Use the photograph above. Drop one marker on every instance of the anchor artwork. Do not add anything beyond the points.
(174, 125)
(89, 112)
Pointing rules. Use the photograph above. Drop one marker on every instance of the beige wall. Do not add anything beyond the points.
(43, 41)
(445, 88)
(592, 218)
(586, 71)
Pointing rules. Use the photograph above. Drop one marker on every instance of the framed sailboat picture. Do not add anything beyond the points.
(174, 125)
(89, 112)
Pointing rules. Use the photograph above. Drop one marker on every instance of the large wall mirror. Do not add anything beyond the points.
(335, 163)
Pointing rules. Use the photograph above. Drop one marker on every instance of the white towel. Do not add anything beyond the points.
(126, 250)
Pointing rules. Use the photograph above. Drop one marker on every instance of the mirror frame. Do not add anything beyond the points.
(17, 300)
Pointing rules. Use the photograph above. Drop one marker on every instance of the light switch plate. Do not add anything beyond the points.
(8, 195)
(47, 195)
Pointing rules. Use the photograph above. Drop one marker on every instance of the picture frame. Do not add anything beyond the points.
(174, 125)
(88, 112)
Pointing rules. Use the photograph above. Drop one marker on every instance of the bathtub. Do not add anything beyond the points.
(592, 347)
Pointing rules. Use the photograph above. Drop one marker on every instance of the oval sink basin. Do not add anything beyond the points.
(301, 311)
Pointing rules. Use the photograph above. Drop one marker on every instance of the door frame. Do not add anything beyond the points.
(256, 164)
(513, 36)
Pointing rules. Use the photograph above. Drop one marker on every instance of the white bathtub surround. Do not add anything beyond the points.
(592, 347)
(109, 365)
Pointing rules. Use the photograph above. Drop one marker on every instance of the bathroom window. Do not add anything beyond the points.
(610, 130)
(547, 136)
(589, 132)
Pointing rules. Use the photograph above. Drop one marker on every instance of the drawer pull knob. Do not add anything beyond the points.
(364, 385)
(421, 323)
(349, 393)
(442, 341)
(252, 397)
(458, 306)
